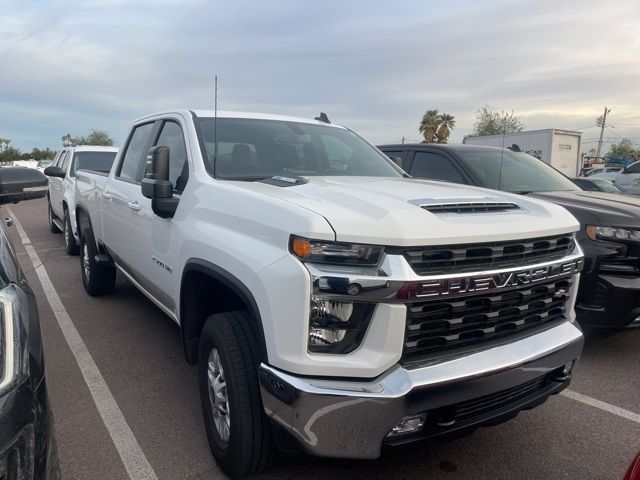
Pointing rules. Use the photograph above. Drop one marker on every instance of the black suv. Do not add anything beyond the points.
(610, 234)
(26, 438)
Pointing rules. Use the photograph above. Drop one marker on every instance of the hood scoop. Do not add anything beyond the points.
(470, 207)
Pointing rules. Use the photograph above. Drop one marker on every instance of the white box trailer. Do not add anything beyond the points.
(558, 148)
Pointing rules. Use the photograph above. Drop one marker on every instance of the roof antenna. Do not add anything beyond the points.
(323, 118)
(215, 123)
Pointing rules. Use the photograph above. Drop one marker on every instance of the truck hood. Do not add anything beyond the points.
(390, 211)
(597, 208)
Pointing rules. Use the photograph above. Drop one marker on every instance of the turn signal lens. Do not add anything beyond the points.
(591, 232)
(301, 247)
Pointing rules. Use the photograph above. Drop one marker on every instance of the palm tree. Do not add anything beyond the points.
(429, 125)
(447, 122)
(5, 142)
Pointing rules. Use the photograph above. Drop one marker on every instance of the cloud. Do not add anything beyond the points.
(374, 66)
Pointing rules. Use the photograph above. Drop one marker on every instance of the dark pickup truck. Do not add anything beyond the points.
(610, 223)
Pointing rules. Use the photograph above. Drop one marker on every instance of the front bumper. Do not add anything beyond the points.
(352, 419)
(605, 300)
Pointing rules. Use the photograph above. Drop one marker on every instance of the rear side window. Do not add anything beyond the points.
(99, 161)
(172, 136)
(65, 160)
(633, 168)
(435, 167)
(135, 152)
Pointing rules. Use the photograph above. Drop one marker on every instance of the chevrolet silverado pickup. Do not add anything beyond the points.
(331, 304)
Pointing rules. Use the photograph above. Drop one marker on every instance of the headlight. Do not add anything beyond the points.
(13, 362)
(612, 233)
(335, 253)
(337, 327)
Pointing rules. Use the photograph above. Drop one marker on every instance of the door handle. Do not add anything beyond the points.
(106, 195)
(135, 206)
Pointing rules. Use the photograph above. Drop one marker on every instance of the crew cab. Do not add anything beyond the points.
(62, 180)
(331, 304)
(610, 222)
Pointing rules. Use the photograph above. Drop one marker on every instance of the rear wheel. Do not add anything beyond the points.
(71, 246)
(237, 428)
(53, 228)
(97, 278)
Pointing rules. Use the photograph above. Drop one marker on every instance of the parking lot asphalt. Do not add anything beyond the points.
(137, 350)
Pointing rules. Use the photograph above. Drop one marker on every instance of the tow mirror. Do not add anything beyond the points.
(53, 171)
(156, 184)
(21, 183)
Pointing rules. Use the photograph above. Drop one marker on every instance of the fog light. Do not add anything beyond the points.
(410, 424)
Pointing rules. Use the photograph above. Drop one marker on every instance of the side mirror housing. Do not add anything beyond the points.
(53, 171)
(21, 183)
(156, 184)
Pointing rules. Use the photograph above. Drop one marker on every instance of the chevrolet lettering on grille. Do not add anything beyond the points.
(495, 281)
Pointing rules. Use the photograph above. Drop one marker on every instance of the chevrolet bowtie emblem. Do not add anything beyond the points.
(562, 293)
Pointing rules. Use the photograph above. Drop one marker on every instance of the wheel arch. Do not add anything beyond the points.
(195, 308)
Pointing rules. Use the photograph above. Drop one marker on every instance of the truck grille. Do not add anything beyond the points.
(486, 256)
(439, 325)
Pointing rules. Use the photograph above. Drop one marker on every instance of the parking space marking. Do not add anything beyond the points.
(44, 250)
(132, 456)
(607, 407)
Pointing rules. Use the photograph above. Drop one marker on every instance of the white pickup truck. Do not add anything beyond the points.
(330, 302)
(62, 179)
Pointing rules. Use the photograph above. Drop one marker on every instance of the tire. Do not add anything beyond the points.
(70, 244)
(248, 448)
(53, 228)
(97, 278)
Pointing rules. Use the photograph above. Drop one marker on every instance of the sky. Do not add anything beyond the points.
(374, 66)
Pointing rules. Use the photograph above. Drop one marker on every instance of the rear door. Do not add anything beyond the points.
(123, 222)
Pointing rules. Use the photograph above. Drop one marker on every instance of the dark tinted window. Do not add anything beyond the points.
(100, 161)
(435, 167)
(250, 149)
(514, 171)
(585, 184)
(605, 186)
(171, 136)
(633, 168)
(136, 151)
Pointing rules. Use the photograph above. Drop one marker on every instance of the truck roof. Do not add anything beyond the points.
(443, 146)
(93, 148)
(236, 114)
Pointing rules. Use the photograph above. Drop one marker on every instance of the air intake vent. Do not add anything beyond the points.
(476, 207)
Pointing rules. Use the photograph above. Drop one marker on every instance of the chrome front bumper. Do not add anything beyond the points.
(351, 419)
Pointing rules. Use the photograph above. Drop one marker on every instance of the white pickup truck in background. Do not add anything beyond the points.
(331, 303)
(62, 180)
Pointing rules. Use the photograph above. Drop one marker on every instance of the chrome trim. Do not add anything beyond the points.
(36, 189)
(9, 342)
(382, 283)
(351, 419)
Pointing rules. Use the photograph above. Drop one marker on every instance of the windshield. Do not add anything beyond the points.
(250, 149)
(514, 171)
(100, 161)
(606, 186)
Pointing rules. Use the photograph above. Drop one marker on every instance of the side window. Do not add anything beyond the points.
(66, 160)
(135, 152)
(435, 167)
(396, 156)
(634, 168)
(56, 159)
(172, 136)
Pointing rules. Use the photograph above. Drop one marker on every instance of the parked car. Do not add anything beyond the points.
(26, 430)
(602, 170)
(610, 223)
(634, 470)
(596, 184)
(628, 179)
(62, 179)
(330, 303)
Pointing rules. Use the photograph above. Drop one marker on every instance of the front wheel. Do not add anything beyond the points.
(70, 244)
(97, 278)
(237, 428)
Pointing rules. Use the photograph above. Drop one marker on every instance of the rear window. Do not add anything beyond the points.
(100, 161)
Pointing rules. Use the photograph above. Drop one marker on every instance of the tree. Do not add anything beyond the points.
(493, 122)
(9, 154)
(96, 137)
(429, 125)
(4, 143)
(624, 148)
(447, 122)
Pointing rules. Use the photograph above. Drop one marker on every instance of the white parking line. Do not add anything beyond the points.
(132, 456)
(607, 407)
